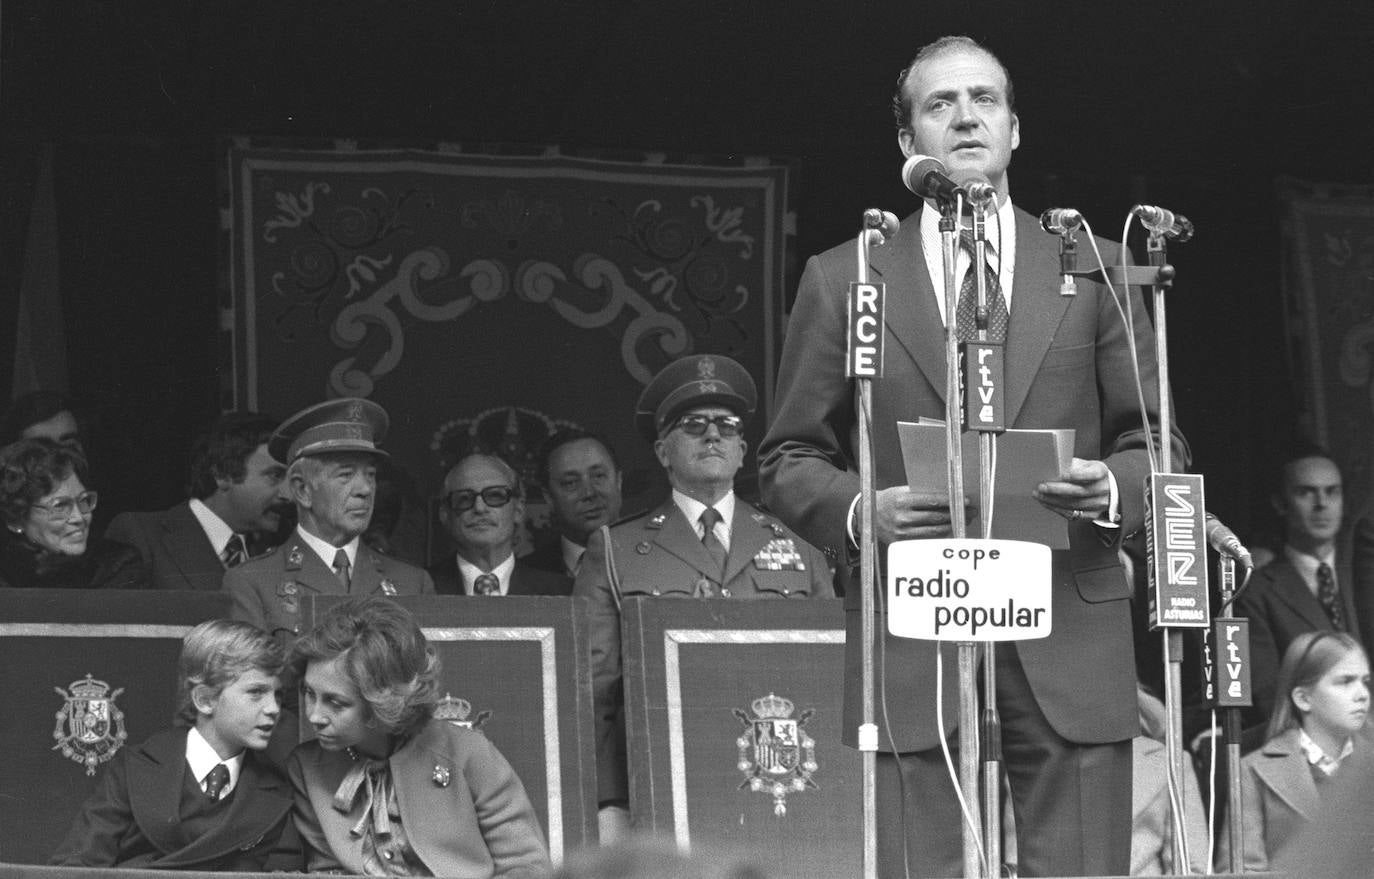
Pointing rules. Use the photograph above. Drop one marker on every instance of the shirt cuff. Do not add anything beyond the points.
(851, 524)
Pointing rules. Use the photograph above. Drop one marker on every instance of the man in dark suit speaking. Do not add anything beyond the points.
(1067, 702)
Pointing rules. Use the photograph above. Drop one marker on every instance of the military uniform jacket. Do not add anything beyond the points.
(267, 591)
(659, 554)
(133, 817)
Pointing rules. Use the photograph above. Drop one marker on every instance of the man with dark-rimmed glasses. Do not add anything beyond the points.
(481, 509)
(701, 542)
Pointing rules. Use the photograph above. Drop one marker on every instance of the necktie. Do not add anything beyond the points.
(1329, 597)
(235, 552)
(709, 517)
(968, 299)
(216, 780)
(341, 568)
(487, 584)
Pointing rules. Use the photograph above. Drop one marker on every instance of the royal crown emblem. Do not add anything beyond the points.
(90, 728)
(458, 712)
(775, 753)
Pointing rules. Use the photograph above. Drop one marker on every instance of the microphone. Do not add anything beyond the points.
(1162, 221)
(1225, 541)
(885, 223)
(1061, 221)
(980, 193)
(928, 178)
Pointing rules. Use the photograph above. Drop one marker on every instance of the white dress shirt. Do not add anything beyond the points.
(693, 508)
(201, 757)
(470, 572)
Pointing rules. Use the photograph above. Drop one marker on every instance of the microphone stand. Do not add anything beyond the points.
(1172, 636)
(1159, 275)
(967, 650)
(868, 567)
(990, 728)
(1231, 729)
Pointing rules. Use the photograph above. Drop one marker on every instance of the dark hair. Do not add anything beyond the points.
(1308, 657)
(215, 653)
(901, 101)
(386, 656)
(562, 438)
(30, 409)
(1299, 451)
(30, 469)
(222, 452)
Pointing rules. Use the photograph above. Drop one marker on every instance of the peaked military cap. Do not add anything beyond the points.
(348, 424)
(688, 382)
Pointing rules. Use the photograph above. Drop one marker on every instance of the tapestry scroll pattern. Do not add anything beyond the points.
(1329, 304)
(486, 301)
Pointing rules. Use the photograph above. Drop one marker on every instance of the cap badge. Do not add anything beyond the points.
(355, 411)
(706, 368)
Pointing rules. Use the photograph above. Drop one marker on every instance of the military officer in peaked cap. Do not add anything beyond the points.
(702, 542)
(331, 451)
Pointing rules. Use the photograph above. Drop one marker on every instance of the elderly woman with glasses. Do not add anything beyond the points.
(47, 512)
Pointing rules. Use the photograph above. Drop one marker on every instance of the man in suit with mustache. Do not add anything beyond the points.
(239, 499)
(482, 509)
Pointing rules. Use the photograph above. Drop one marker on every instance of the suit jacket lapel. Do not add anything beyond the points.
(367, 572)
(747, 536)
(414, 768)
(187, 544)
(679, 537)
(304, 566)
(1036, 310)
(156, 773)
(259, 801)
(1288, 774)
(1292, 590)
(911, 312)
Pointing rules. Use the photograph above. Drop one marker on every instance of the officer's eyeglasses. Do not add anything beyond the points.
(492, 496)
(60, 510)
(696, 425)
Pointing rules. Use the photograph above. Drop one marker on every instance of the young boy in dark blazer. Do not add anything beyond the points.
(198, 796)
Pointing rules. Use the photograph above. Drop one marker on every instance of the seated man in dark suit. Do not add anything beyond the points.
(481, 509)
(1306, 588)
(238, 498)
(581, 477)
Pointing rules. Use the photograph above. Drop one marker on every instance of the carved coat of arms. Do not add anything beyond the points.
(458, 711)
(776, 754)
(90, 727)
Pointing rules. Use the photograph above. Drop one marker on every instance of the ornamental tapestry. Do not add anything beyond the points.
(486, 301)
(1328, 284)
